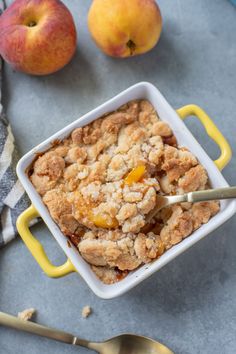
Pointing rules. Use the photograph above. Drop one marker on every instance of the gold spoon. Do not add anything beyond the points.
(122, 344)
(192, 197)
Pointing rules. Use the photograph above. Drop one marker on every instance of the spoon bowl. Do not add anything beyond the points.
(130, 344)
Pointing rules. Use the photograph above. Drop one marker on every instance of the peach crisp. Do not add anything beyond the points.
(100, 183)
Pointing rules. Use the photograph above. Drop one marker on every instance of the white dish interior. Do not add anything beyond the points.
(185, 138)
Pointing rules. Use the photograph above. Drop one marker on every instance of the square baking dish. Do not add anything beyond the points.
(75, 262)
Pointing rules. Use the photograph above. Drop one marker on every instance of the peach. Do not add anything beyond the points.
(122, 28)
(37, 36)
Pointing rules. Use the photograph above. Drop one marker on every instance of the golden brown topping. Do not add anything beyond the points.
(100, 183)
(178, 227)
(50, 165)
(194, 179)
(202, 212)
(90, 136)
(109, 275)
(76, 154)
(61, 210)
(48, 168)
(161, 129)
(170, 140)
(77, 136)
(117, 168)
(177, 162)
(103, 253)
(146, 106)
(148, 247)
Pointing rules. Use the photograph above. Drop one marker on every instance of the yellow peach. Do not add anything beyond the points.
(122, 28)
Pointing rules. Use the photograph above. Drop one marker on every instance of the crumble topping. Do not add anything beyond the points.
(100, 183)
(86, 311)
(27, 314)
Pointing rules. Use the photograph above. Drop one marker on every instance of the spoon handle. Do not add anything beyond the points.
(43, 331)
(211, 194)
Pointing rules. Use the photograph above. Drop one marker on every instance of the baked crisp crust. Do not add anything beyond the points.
(101, 182)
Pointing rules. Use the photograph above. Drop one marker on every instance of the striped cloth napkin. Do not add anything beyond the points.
(13, 199)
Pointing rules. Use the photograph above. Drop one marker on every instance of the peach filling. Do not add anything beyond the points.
(135, 175)
(104, 221)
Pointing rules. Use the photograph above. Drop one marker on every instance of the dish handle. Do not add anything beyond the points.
(212, 131)
(37, 249)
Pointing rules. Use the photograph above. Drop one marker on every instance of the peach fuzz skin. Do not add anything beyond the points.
(123, 28)
(37, 36)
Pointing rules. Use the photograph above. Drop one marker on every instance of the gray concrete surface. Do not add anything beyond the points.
(190, 304)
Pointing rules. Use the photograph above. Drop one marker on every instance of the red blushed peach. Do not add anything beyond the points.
(37, 36)
(122, 28)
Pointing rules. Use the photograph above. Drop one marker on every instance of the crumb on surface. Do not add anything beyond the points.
(27, 314)
(86, 311)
